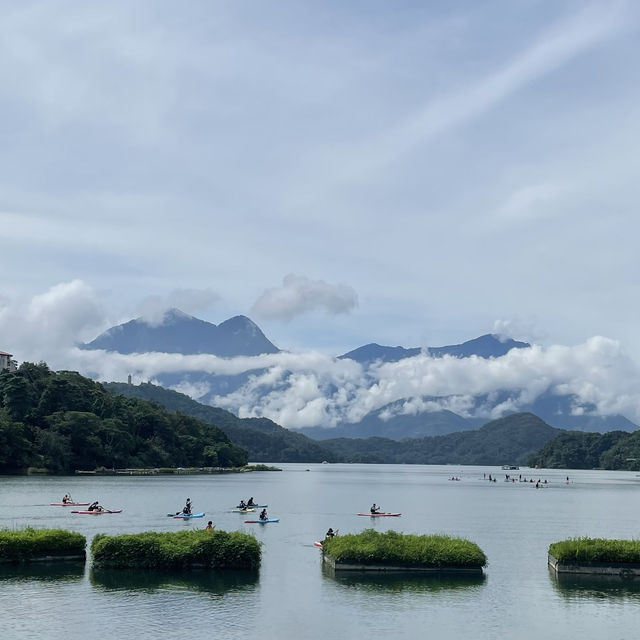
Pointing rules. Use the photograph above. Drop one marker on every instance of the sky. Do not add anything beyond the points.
(405, 173)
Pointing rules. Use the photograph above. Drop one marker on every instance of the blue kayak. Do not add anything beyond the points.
(185, 516)
(262, 521)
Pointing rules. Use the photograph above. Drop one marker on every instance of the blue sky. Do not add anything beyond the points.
(342, 172)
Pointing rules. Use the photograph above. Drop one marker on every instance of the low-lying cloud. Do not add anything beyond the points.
(299, 295)
(315, 389)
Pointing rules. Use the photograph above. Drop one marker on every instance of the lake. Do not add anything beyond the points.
(291, 596)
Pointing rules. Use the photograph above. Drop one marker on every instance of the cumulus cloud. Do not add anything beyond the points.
(299, 295)
(46, 326)
(597, 372)
(153, 308)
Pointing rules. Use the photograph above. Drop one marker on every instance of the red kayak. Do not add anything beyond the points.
(97, 512)
(380, 515)
(70, 504)
(318, 544)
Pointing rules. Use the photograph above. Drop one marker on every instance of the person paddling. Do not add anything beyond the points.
(187, 507)
(263, 515)
(375, 508)
(242, 505)
(67, 498)
(94, 506)
(250, 502)
(209, 526)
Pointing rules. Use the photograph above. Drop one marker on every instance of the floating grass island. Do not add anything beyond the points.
(597, 556)
(392, 551)
(177, 550)
(41, 545)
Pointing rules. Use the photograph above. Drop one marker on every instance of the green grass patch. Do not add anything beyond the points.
(26, 544)
(177, 550)
(596, 550)
(404, 550)
(261, 467)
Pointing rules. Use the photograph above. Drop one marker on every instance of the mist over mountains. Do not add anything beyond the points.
(486, 346)
(374, 390)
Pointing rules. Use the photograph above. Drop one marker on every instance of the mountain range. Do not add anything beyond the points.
(414, 417)
(486, 346)
(511, 440)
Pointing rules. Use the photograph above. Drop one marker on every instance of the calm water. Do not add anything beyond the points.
(291, 596)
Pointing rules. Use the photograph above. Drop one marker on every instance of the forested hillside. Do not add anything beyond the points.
(62, 421)
(509, 440)
(577, 450)
(265, 440)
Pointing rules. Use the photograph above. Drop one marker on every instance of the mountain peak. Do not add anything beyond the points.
(488, 345)
(179, 332)
(173, 315)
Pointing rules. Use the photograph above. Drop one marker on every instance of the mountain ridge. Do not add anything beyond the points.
(179, 332)
(508, 440)
(489, 345)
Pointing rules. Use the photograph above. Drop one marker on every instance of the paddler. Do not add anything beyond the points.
(242, 505)
(250, 502)
(94, 506)
(375, 508)
(331, 533)
(263, 515)
(67, 498)
(187, 507)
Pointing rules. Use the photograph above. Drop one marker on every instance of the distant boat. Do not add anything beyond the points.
(510, 467)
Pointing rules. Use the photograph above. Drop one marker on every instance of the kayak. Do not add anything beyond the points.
(318, 544)
(185, 516)
(243, 510)
(70, 504)
(379, 515)
(97, 512)
(262, 521)
(254, 506)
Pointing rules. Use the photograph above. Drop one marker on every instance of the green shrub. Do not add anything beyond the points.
(25, 544)
(596, 550)
(393, 548)
(182, 549)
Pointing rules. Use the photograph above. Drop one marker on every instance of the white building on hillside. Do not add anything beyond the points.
(6, 362)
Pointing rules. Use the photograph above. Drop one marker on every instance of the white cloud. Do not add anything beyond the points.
(596, 371)
(45, 326)
(518, 328)
(299, 295)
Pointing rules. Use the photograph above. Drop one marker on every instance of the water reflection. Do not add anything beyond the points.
(217, 583)
(47, 572)
(396, 582)
(603, 588)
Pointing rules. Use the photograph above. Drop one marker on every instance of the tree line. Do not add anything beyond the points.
(62, 421)
(616, 450)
